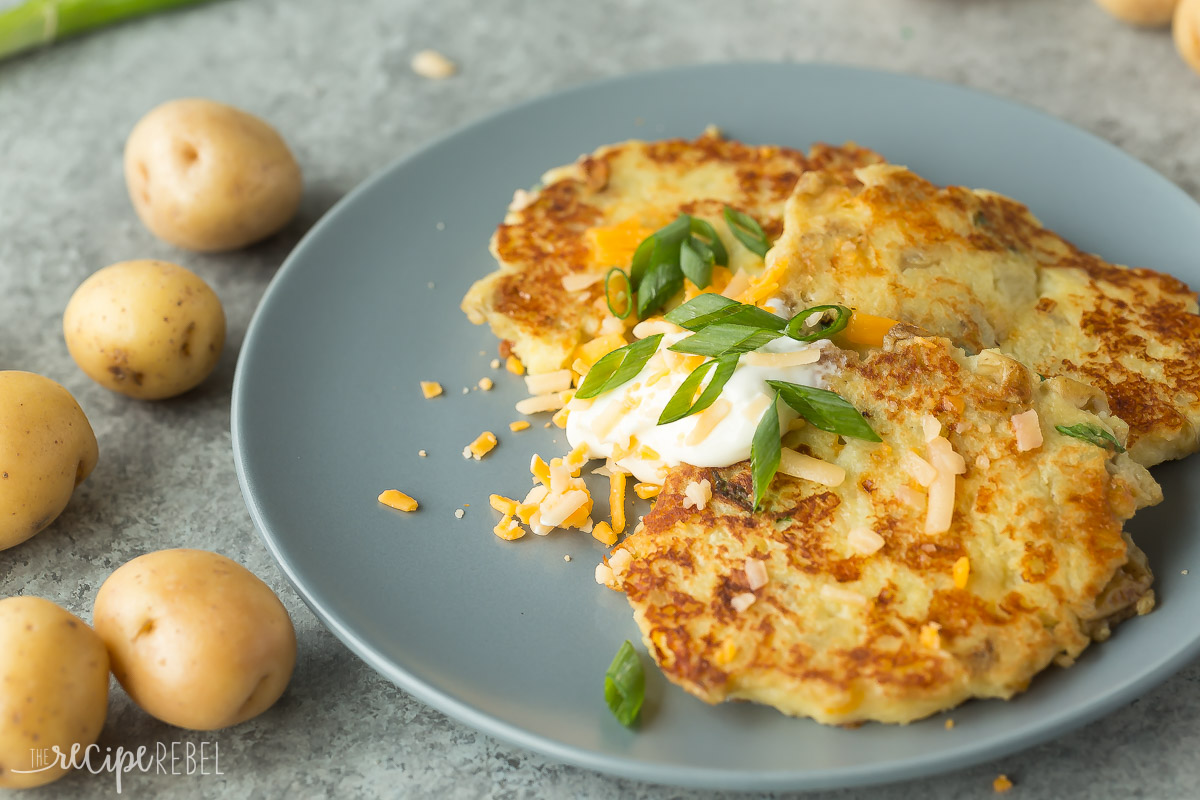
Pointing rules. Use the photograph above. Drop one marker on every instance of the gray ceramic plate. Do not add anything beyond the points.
(510, 638)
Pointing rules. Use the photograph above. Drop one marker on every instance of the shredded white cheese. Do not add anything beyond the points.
(864, 540)
(697, 494)
(1028, 430)
(756, 573)
(740, 602)
(808, 468)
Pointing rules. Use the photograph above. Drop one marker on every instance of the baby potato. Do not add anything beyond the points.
(47, 448)
(209, 177)
(1186, 29)
(148, 329)
(196, 639)
(54, 679)
(1148, 13)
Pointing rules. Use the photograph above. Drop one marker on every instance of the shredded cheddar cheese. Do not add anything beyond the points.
(503, 504)
(604, 534)
(508, 529)
(394, 498)
(597, 348)
(616, 500)
(866, 330)
(519, 425)
(615, 244)
(430, 389)
(962, 572)
(514, 365)
(647, 490)
(930, 636)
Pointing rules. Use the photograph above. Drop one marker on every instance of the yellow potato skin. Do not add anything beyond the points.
(1147, 13)
(208, 177)
(147, 329)
(53, 687)
(47, 448)
(196, 639)
(1186, 30)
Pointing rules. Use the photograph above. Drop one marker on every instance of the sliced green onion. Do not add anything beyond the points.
(747, 230)
(705, 231)
(39, 22)
(659, 285)
(826, 410)
(696, 261)
(660, 247)
(1092, 434)
(796, 323)
(680, 405)
(765, 451)
(628, 291)
(625, 685)
(709, 309)
(722, 339)
(618, 367)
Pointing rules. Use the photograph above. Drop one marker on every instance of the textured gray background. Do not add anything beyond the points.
(334, 78)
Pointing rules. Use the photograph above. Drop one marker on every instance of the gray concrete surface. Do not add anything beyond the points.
(334, 78)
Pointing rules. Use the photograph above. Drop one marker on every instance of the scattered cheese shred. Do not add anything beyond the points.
(918, 468)
(708, 419)
(432, 64)
(737, 284)
(541, 402)
(949, 724)
(540, 470)
(548, 382)
(1028, 430)
(1002, 784)
(514, 365)
(604, 576)
(697, 494)
(727, 653)
(495, 363)
(812, 469)
(740, 602)
(962, 572)
(483, 444)
(504, 505)
(578, 281)
(756, 573)
(616, 500)
(864, 540)
(647, 490)
(798, 358)
(930, 636)
(649, 327)
(831, 591)
(486, 384)
(508, 529)
(866, 329)
(939, 510)
(755, 408)
(560, 417)
(604, 534)
(430, 389)
(519, 425)
(615, 244)
(930, 427)
(594, 350)
(394, 498)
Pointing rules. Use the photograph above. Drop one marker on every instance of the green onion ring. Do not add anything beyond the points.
(839, 323)
(628, 293)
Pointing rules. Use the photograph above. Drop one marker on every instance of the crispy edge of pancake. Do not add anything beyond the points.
(1069, 572)
(1132, 332)
(542, 238)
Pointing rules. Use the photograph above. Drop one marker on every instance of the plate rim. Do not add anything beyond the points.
(613, 765)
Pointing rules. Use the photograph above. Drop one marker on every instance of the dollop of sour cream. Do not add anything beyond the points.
(622, 424)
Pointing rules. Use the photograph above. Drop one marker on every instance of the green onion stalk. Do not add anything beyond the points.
(35, 23)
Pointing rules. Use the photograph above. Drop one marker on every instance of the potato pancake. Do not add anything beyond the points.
(980, 269)
(590, 216)
(850, 610)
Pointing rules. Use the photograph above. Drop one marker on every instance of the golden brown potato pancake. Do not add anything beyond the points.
(979, 268)
(845, 637)
(630, 190)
